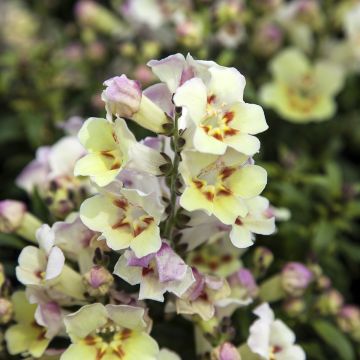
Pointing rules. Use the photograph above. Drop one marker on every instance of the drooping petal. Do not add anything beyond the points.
(241, 237)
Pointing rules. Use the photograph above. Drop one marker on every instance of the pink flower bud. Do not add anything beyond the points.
(122, 96)
(246, 280)
(348, 320)
(296, 277)
(6, 311)
(267, 39)
(98, 281)
(11, 215)
(226, 351)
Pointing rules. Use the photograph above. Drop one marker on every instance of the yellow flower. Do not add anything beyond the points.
(109, 332)
(107, 144)
(302, 92)
(220, 184)
(128, 218)
(26, 336)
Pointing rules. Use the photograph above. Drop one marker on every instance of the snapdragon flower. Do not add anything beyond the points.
(220, 184)
(302, 92)
(26, 335)
(271, 339)
(128, 218)
(156, 273)
(109, 332)
(220, 116)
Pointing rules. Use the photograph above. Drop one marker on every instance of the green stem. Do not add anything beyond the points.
(174, 175)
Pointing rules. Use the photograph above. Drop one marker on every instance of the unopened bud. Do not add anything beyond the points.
(296, 277)
(98, 281)
(11, 215)
(330, 302)
(122, 96)
(267, 39)
(348, 320)
(245, 279)
(6, 311)
(262, 259)
(294, 307)
(226, 351)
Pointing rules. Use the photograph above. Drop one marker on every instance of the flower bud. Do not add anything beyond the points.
(294, 307)
(330, 302)
(122, 96)
(267, 39)
(98, 281)
(246, 280)
(296, 277)
(348, 320)
(226, 351)
(262, 259)
(6, 311)
(11, 215)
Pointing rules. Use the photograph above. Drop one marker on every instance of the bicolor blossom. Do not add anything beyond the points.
(271, 339)
(202, 296)
(45, 266)
(111, 147)
(301, 92)
(163, 271)
(127, 218)
(259, 220)
(109, 332)
(26, 335)
(220, 117)
(220, 184)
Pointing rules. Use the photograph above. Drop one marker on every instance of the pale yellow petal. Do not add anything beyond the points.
(248, 181)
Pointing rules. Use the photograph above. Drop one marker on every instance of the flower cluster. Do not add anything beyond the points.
(174, 211)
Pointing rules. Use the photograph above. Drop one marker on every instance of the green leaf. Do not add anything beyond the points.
(335, 339)
(11, 241)
(324, 234)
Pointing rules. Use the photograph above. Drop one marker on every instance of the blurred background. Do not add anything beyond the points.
(56, 54)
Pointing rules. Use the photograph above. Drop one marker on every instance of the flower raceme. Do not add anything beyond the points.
(161, 208)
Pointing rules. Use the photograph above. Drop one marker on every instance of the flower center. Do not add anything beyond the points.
(303, 95)
(217, 119)
(211, 181)
(109, 340)
(131, 218)
(273, 351)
